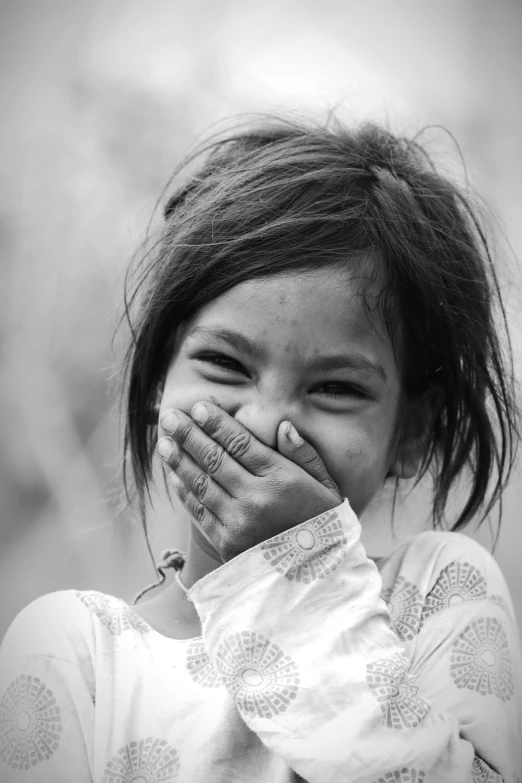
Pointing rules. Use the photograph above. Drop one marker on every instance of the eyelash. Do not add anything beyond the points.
(219, 360)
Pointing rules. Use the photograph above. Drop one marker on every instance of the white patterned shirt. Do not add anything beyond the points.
(313, 662)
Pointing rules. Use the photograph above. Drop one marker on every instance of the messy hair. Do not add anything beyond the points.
(284, 196)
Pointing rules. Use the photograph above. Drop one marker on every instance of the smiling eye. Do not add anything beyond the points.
(221, 361)
(340, 390)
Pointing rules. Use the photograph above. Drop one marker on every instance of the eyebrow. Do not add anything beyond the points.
(222, 335)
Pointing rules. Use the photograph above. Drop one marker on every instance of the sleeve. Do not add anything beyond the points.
(47, 696)
(298, 631)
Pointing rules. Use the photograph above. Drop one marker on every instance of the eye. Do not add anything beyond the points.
(336, 389)
(221, 361)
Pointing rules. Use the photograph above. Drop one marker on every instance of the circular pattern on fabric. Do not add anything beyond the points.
(145, 761)
(113, 612)
(30, 723)
(395, 689)
(263, 680)
(457, 582)
(200, 667)
(482, 772)
(403, 775)
(481, 661)
(310, 552)
(404, 602)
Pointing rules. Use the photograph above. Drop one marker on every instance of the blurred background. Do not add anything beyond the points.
(99, 102)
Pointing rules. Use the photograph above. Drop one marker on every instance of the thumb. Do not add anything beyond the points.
(292, 446)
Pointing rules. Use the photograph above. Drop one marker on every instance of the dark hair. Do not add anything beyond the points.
(286, 196)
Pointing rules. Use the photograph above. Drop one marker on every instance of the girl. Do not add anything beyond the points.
(315, 320)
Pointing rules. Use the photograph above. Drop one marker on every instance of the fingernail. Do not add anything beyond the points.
(199, 413)
(165, 447)
(293, 436)
(169, 421)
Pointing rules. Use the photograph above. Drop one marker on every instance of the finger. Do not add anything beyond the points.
(208, 454)
(292, 446)
(206, 521)
(237, 441)
(194, 478)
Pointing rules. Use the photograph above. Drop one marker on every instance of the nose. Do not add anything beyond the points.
(262, 420)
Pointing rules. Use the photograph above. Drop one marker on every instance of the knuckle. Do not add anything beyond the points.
(200, 486)
(183, 432)
(239, 444)
(312, 462)
(198, 510)
(310, 457)
(256, 503)
(215, 426)
(212, 458)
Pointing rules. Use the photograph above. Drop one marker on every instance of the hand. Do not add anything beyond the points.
(239, 491)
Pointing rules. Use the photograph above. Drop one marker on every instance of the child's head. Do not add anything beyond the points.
(315, 243)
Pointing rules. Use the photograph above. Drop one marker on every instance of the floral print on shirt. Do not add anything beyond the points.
(148, 760)
(397, 692)
(30, 723)
(262, 679)
(114, 613)
(481, 661)
(310, 552)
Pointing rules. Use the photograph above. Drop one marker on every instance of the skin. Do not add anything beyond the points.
(349, 417)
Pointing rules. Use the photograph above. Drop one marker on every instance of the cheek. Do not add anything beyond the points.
(354, 456)
(358, 461)
(182, 388)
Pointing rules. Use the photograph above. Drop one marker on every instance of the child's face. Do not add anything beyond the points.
(262, 350)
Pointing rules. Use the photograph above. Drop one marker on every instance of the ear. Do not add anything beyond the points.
(417, 422)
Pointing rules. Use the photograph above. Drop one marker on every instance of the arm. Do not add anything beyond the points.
(297, 630)
(46, 699)
(295, 626)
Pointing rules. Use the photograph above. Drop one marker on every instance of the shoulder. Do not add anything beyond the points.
(61, 640)
(434, 571)
(56, 624)
(427, 555)
(49, 649)
(69, 624)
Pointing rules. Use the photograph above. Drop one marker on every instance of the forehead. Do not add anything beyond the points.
(309, 311)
